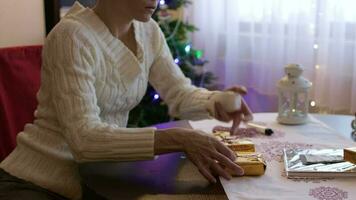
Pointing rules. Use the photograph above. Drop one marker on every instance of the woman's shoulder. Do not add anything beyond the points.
(153, 24)
(69, 28)
(150, 28)
(73, 24)
(151, 33)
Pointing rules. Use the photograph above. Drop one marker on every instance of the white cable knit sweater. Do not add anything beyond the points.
(90, 82)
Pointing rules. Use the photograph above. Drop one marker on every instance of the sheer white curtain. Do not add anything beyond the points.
(248, 42)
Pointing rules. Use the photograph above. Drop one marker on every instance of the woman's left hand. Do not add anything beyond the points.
(244, 114)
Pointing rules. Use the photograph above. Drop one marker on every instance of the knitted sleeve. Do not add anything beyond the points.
(184, 100)
(69, 61)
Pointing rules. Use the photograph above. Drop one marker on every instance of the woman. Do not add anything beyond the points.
(96, 65)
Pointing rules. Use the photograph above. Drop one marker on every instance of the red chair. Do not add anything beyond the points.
(19, 83)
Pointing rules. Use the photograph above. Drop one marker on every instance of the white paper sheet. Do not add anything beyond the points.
(274, 184)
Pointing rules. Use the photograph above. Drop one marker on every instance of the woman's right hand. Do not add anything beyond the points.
(205, 151)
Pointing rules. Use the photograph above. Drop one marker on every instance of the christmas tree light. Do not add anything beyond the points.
(156, 96)
(198, 54)
(188, 48)
(177, 60)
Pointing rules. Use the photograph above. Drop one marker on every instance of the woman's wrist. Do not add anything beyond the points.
(169, 140)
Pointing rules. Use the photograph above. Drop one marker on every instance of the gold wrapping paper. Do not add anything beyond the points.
(252, 163)
(241, 145)
(234, 143)
(350, 155)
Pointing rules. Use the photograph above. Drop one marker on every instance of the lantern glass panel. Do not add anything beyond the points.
(293, 104)
(284, 103)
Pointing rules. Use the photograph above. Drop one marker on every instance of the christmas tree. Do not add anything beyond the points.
(152, 109)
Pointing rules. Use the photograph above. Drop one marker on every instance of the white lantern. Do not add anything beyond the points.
(293, 96)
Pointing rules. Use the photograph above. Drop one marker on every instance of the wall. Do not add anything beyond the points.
(22, 22)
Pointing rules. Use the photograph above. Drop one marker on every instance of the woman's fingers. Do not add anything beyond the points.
(237, 117)
(220, 171)
(204, 170)
(225, 151)
(245, 114)
(228, 163)
(238, 89)
(248, 116)
(207, 153)
(246, 111)
(220, 113)
(212, 167)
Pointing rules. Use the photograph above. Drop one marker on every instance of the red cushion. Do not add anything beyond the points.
(19, 83)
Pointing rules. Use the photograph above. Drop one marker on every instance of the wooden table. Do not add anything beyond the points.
(169, 176)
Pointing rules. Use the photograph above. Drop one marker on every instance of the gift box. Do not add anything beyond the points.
(234, 143)
(240, 145)
(350, 155)
(252, 163)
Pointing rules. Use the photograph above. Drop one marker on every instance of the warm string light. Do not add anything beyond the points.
(312, 103)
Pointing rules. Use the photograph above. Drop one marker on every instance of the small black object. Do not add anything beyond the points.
(269, 132)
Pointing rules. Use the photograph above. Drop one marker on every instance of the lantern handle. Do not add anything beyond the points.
(353, 123)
